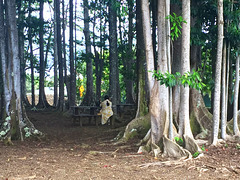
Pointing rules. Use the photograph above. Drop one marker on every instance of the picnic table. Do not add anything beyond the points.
(124, 108)
(79, 113)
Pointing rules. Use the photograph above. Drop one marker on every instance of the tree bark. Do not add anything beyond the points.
(148, 42)
(15, 119)
(143, 91)
(217, 91)
(89, 96)
(42, 64)
(31, 54)
(235, 101)
(114, 74)
(223, 95)
(60, 60)
(162, 97)
(55, 98)
(184, 123)
(72, 67)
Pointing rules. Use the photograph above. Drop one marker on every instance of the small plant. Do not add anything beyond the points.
(238, 146)
(203, 148)
(179, 141)
(176, 25)
(193, 80)
(196, 154)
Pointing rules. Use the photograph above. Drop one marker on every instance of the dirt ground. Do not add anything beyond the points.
(88, 152)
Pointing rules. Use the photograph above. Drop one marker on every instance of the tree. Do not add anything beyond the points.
(21, 51)
(184, 123)
(129, 60)
(235, 102)
(114, 75)
(72, 67)
(16, 124)
(89, 97)
(143, 91)
(31, 54)
(42, 98)
(60, 59)
(216, 103)
(55, 98)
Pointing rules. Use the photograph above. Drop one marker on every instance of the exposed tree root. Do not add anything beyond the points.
(166, 163)
(138, 126)
(172, 149)
(200, 117)
(191, 145)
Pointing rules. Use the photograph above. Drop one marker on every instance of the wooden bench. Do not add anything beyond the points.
(79, 113)
(125, 108)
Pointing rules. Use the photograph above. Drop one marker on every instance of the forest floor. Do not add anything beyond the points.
(88, 152)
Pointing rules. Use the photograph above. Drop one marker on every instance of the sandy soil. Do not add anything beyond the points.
(88, 152)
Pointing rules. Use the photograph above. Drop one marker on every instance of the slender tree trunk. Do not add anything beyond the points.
(148, 42)
(223, 95)
(176, 67)
(55, 98)
(60, 60)
(153, 85)
(235, 101)
(143, 91)
(31, 54)
(66, 79)
(217, 90)
(21, 54)
(163, 120)
(114, 79)
(184, 122)
(72, 69)
(89, 97)
(41, 101)
(130, 61)
(168, 49)
(154, 6)
(7, 85)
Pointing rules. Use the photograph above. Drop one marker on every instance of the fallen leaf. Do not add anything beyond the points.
(23, 158)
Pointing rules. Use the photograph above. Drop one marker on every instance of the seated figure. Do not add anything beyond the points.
(106, 110)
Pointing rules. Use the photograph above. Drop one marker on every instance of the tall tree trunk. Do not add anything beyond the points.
(163, 98)
(31, 54)
(153, 86)
(16, 118)
(217, 90)
(143, 91)
(114, 79)
(235, 101)
(130, 61)
(148, 43)
(4, 63)
(55, 97)
(65, 77)
(223, 94)
(21, 55)
(169, 67)
(72, 69)
(176, 66)
(184, 123)
(97, 56)
(154, 7)
(41, 102)
(89, 96)
(60, 59)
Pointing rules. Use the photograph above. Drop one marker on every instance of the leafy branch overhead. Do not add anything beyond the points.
(176, 22)
(193, 79)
